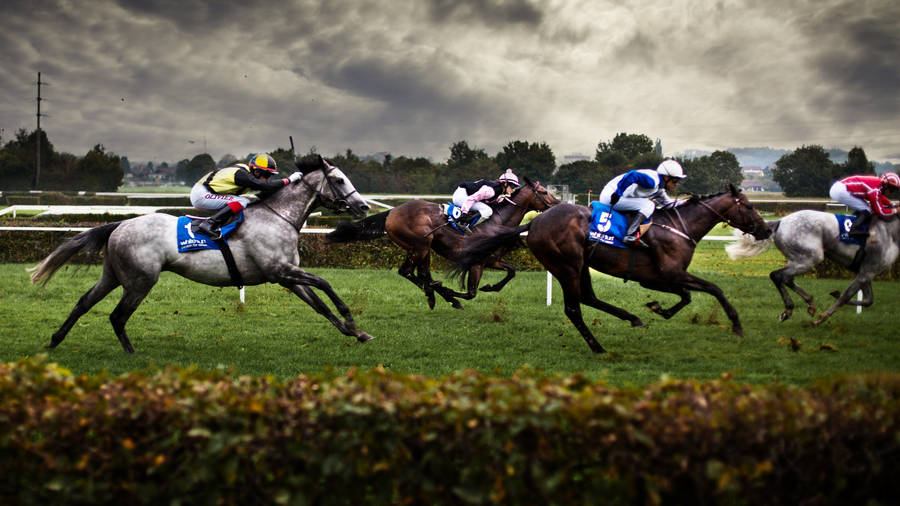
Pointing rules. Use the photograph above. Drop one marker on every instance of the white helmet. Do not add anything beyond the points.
(671, 168)
(509, 177)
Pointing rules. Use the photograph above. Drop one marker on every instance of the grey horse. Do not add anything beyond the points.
(264, 249)
(806, 238)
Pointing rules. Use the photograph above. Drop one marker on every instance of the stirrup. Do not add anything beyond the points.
(213, 233)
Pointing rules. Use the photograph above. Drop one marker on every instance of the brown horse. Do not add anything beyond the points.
(419, 226)
(559, 239)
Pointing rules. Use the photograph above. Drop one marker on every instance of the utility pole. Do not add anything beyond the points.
(37, 158)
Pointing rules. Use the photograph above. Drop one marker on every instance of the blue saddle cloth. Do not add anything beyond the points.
(844, 223)
(608, 226)
(453, 213)
(190, 241)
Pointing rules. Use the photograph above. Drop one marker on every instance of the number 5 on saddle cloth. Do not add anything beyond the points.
(608, 226)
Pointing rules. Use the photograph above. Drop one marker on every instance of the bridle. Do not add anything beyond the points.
(534, 190)
(683, 231)
(738, 204)
(337, 204)
(340, 203)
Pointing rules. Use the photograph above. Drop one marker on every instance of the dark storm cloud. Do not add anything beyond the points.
(861, 62)
(495, 13)
(144, 77)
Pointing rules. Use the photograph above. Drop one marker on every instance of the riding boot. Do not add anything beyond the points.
(631, 234)
(862, 219)
(210, 226)
(465, 220)
(472, 218)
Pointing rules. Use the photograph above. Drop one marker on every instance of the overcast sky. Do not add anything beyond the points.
(155, 79)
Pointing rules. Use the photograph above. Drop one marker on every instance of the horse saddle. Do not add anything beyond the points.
(453, 212)
(190, 240)
(608, 226)
(844, 223)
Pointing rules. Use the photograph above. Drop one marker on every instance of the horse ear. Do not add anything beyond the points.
(527, 181)
(734, 190)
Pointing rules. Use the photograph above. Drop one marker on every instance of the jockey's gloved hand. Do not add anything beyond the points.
(613, 199)
(669, 205)
(294, 177)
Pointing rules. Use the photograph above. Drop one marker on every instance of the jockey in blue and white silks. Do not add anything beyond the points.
(642, 190)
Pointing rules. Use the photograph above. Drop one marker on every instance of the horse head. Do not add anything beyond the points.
(334, 190)
(539, 198)
(738, 212)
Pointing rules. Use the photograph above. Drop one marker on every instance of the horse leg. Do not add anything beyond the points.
(411, 269)
(572, 308)
(785, 278)
(655, 306)
(446, 293)
(347, 328)
(861, 282)
(867, 300)
(589, 298)
(293, 275)
(690, 282)
(510, 273)
(129, 302)
(106, 284)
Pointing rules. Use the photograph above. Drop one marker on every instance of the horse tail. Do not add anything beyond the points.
(370, 227)
(746, 246)
(477, 250)
(90, 241)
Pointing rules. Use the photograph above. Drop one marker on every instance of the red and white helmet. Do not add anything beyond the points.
(509, 177)
(890, 179)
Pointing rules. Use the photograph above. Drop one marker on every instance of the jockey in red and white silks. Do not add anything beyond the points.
(866, 195)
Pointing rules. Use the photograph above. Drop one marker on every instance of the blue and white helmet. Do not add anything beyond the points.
(671, 168)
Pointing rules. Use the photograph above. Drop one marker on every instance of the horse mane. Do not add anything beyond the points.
(694, 197)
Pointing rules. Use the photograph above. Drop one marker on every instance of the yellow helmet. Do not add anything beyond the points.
(263, 162)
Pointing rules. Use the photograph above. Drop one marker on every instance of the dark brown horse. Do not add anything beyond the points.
(559, 239)
(418, 226)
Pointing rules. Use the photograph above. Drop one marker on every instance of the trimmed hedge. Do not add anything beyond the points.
(382, 253)
(376, 437)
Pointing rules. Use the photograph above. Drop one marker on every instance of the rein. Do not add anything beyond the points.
(267, 206)
(680, 233)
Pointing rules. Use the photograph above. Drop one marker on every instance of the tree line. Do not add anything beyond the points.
(806, 172)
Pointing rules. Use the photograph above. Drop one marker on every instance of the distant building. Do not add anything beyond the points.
(576, 157)
(751, 172)
(751, 185)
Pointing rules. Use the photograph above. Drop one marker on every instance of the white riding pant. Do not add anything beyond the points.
(202, 198)
(839, 193)
(629, 204)
(459, 198)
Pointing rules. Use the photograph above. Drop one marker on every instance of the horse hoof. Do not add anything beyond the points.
(488, 288)
(811, 310)
(739, 331)
(654, 306)
(836, 294)
(456, 304)
(637, 323)
(784, 316)
(430, 302)
(363, 337)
